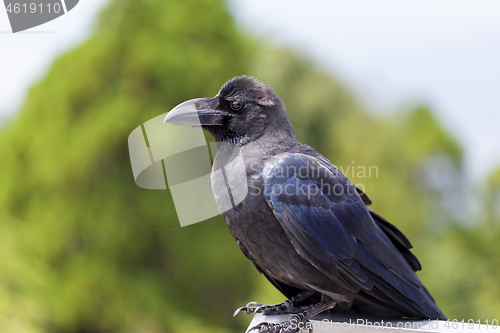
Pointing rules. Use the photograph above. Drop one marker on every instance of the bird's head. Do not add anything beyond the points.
(242, 111)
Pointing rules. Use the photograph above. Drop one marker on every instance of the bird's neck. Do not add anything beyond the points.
(269, 144)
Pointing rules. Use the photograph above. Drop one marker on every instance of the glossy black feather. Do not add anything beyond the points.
(336, 229)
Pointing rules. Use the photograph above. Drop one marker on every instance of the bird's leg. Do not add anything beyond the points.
(297, 321)
(288, 306)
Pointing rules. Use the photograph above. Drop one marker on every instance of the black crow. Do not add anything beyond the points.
(303, 224)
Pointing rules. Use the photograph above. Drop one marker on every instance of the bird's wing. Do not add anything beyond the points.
(326, 220)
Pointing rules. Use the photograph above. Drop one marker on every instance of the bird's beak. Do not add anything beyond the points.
(196, 112)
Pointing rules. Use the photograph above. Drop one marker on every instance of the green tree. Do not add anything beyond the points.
(85, 249)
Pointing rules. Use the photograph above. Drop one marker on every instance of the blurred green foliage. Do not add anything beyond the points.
(86, 250)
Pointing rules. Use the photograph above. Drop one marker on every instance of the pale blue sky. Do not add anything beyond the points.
(443, 52)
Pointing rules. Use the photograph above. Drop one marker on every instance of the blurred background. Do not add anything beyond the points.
(409, 88)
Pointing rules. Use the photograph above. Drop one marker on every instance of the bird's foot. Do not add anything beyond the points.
(289, 326)
(288, 306)
(249, 308)
(297, 321)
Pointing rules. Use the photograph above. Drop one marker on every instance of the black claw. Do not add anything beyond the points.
(248, 309)
(238, 310)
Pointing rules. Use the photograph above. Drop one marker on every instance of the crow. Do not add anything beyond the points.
(303, 224)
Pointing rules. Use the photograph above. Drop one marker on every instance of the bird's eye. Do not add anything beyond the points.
(236, 105)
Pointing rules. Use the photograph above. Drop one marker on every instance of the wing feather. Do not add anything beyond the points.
(329, 225)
